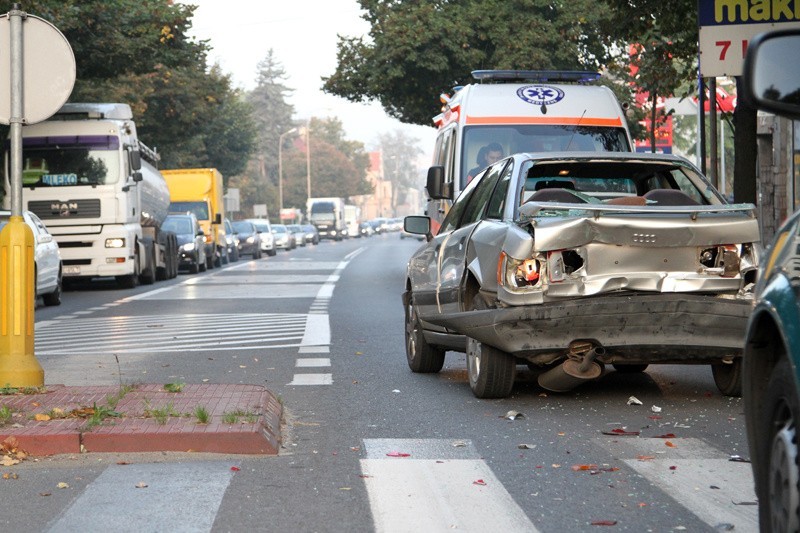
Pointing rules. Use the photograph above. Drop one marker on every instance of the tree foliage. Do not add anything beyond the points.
(418, 49)
(138, 52)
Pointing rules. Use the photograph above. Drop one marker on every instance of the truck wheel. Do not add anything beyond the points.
(422, 357)
(235, 255)
(728, 377)
(130, 281)
(148, 277)
(491, 371)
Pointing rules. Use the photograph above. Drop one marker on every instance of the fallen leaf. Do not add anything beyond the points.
(459, 444)
(364, 476)
(526, 446)
(561, 433)
(62, 485)
(670, 444)
(359, 353)
(35, 404)
(8, 461)
(633, 400)
(673, 467)
(579, 468)
(479, 482)
(513, 415)
(235, 469)
(665, 436)
(141, 485)
(604, 523)
(123, 463)
(10, 475)
(654, 417)
(345, 488)
(621, 432)
(556, 465)
(642, 504)
(355, 448)
(41, 417)
(398, 454)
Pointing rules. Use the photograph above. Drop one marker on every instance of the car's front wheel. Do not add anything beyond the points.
(779, 471)
(422, 357)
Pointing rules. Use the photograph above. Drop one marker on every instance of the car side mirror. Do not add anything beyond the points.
(436, 187)
(135, 159)
(417, 225)
(771, 82)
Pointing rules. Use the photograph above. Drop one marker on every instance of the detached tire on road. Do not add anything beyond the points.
(779, 466)
(422, 357)
(728, 377)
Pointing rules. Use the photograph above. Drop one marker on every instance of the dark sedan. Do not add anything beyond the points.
(249, 238)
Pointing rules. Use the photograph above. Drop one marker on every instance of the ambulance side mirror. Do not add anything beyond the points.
(772, 81)
(436, 187)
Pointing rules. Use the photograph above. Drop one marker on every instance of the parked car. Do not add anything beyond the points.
(771, 388)
(312, 235)
(232, 240)
(46, 256)
(267, 238)
(379, 224)
(191, 241)
(249, 238)
(284, 239)
(299, 234)
(566, 262)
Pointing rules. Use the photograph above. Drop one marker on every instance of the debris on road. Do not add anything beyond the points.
(655, 409)
(621, 432)
(633, 400)
(513, 415)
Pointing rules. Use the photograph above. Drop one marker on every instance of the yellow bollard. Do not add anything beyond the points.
(18, 364)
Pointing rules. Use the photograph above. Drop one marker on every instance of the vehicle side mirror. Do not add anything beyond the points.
(771, 82)
(135, 159)
(137, 176)
(417, 225)
(437, 188)
(218, 218)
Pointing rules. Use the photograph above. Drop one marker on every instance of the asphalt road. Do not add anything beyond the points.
(369, 446)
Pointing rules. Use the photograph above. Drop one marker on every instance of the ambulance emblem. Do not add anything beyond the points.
(540, 94)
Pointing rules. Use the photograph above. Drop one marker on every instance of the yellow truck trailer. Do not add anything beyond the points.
(200, 191)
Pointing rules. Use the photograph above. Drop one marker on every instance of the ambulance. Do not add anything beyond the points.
(511, 111)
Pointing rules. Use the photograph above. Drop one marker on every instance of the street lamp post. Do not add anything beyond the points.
(280, 166)
(308, 158)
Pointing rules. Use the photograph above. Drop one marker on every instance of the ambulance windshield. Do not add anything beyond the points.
(483, 143)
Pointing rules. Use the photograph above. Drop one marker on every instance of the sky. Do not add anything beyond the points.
(303, 36)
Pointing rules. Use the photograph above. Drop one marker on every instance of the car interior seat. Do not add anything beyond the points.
(670, 197)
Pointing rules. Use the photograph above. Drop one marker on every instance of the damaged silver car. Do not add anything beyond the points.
(567, 262)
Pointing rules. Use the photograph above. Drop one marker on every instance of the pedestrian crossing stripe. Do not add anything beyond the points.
(172, 333)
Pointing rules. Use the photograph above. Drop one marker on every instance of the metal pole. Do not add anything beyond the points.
(308, 158)
(701, 123)
(712, 133)
(280, 173)
(16, 119)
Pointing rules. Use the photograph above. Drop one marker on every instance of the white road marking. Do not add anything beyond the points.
(313, 362)
(697, 467)
(178, 497)
(438, 488)
(315, 349)
(318, 331)
(312, 379)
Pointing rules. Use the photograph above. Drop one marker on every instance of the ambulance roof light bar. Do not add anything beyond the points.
(574, 76)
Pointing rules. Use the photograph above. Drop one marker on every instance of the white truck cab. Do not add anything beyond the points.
(511, 111)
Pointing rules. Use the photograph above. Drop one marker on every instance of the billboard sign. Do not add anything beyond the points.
(727, 26)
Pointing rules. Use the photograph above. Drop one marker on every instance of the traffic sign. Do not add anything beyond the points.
(48, 69)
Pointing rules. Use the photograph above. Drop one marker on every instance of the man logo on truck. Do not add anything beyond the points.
(540, 94)
(64, 209)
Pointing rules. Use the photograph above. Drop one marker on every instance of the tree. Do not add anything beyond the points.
(138, 52)
(400, 153)
(416, 50)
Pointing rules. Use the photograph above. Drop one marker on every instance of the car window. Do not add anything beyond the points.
(450, 222)
(687, 186)
(498, 201)
(483, 192)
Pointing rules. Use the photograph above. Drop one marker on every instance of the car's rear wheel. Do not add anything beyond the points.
(728, 377)
(630, 369)
(422, 357)
(491, 371)
(779, 470)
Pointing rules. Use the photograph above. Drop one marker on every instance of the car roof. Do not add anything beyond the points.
(603, 156)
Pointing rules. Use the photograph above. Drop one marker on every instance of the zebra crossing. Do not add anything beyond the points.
(433, 485)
